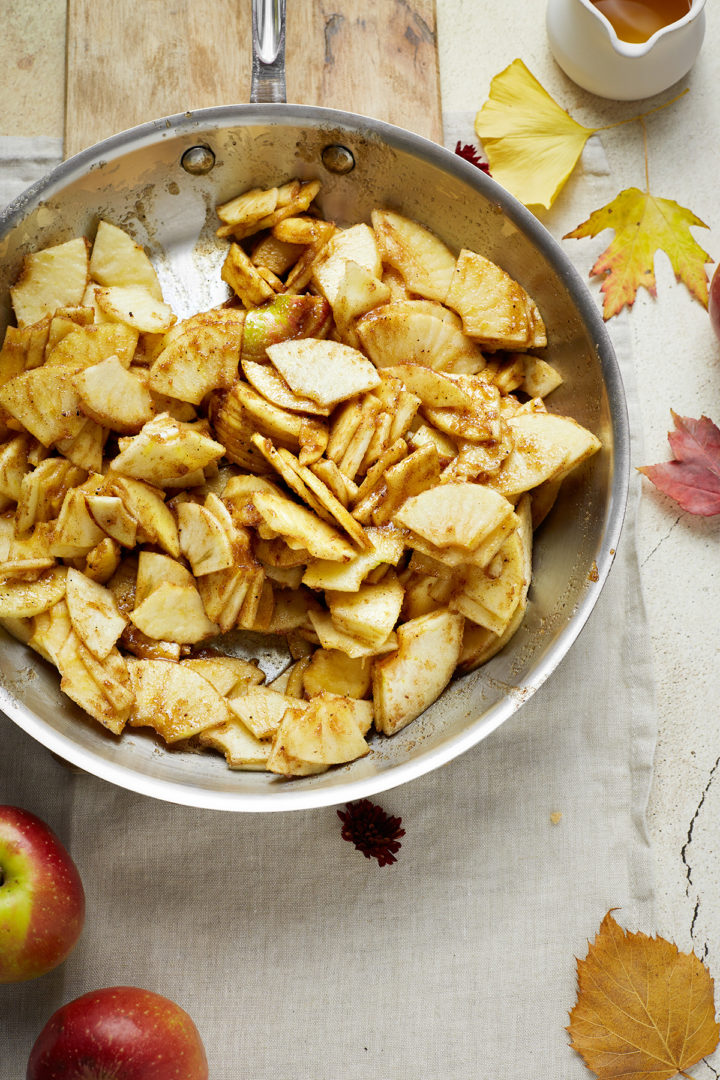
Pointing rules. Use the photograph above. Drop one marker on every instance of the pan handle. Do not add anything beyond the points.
(268, 51)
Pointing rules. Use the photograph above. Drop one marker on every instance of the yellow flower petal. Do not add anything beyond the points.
(532, 145)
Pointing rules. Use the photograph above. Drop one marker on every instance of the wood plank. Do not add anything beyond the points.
(128, 62)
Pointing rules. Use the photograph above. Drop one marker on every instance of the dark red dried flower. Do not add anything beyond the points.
(372, 831)
(470, 154)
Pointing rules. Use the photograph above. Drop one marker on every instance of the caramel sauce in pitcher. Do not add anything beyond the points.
(637, 20)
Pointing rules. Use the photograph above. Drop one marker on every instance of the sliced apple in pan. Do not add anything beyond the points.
(331, 636)
(22, 599)
(241, 749)
(50, 630)
(269, 382)
(545, 445)
(94, 613)
(81, 685)
(166, 450)
(174, 613)
(294, 522)
(387, 547)
(154, 569)
(285, 317)
(200, 354)
(113, 397)
(174, 700)
(229, 675)
(88, 345)
(459, 515)
(495, 309)
(145, 504)
(52, 278)
(337, 673)
(261, 709)
(370, 613)
(203, 540)
(424, 261)
(137, 307)
(434, 388)
(117, 260)
(390, 335)
(111, 516)
(407, 681)
(356, 244)
(479, 643)
(76, 532)
(45, 402)
(326, 732)
(328, 372)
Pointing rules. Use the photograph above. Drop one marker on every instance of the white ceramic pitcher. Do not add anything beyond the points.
(586, 47)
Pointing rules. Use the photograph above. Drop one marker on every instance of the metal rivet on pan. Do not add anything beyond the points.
(338, 159)
(198, 160)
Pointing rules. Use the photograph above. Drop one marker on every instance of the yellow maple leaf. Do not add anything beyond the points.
(643, 225)
(532, 145)
(644, 1010)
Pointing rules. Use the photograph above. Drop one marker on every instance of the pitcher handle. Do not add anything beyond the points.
(268, 51)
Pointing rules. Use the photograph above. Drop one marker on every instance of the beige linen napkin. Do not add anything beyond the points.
(300, 959)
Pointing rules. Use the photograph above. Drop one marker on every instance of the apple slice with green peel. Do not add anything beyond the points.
(370, 613)
(285, 317)
(200, 354)
(412, 678)
(117, 260)
(203, 540)
(325, 732)
(174, 613)
(424, 261)
(328, 372)
(356, 244)
(174, 700)
(93, 612)
(390, 336)
(113, 397)
(50, 279)
(545, 445)
(454, 515)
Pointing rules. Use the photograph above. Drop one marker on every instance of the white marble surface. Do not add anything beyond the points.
(678, 367)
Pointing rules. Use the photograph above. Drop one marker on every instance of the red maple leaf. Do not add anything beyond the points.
(470, 154)
(693, 478)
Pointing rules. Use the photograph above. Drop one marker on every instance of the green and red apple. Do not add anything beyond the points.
(119, 1033)
(42, 902)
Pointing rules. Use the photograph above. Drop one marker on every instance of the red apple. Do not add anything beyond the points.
(42, 903)
(714, 301)
(119, 1033)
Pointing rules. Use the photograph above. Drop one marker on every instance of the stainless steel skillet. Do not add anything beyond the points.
(151, 180)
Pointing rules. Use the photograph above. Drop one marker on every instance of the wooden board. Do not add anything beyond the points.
(133, 60)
